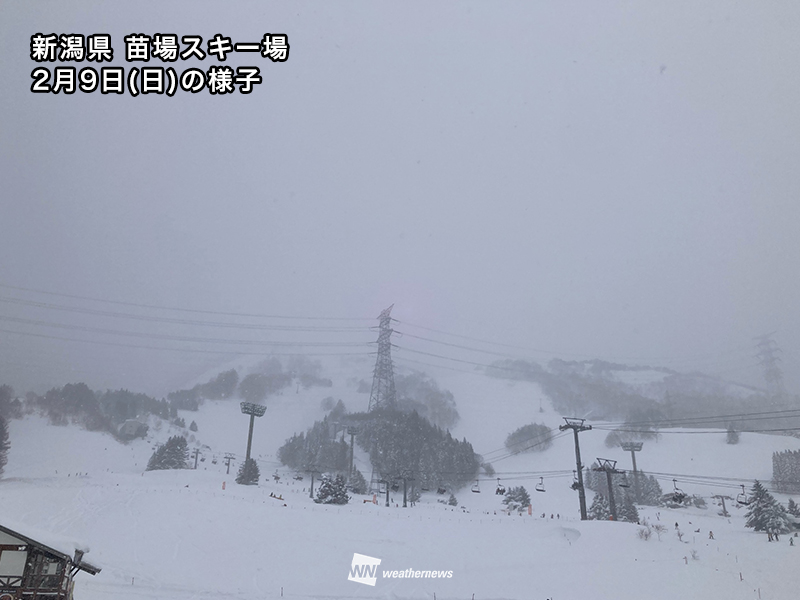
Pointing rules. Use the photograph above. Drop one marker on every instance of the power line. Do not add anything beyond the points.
(172, 337)
(196, 350)
(155, 319)
(551, 352)
(179, 309)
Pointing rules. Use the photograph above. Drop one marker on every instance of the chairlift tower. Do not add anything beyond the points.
(577, 425)
(254, 410)
(609, 467)
(383, 392)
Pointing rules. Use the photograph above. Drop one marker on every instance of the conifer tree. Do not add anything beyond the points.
(357, 482)
(764, 512)
(517, 498)
(332, 490)
(249, 473)
(793, 509)
(733, 435)
(172, 455)
(599, 510)
(629, 511)
(452, 501)
(4, 444)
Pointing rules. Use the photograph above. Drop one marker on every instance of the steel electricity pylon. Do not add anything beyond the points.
(383, 394)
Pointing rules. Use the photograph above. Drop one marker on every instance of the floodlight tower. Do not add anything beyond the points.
(254, 410)
(633, 448)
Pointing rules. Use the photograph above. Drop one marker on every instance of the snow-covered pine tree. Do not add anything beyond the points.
(357, 483)
(154, 464)
(249, 473)
(628, 511)
(4, 444)
(193, 426)
(776, 519)
(599, 510)
(793, 509)
(332, 490)
(517, 498)
(452, 501)
(176, 453)
(760, 508)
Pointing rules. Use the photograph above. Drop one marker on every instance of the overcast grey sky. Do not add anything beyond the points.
(616, 180)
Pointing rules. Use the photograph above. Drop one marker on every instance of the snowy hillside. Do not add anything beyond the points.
(196, 534)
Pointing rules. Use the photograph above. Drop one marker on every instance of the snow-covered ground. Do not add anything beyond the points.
(179, 534)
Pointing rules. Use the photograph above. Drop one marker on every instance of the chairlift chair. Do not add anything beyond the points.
(743, 499)
(575, 485)
(441, 490)
(395, 486)
(476, 487)
(298, 478)
(540, 485)
(501, 490)
(214, 460)
(624, 483)
(678, 495)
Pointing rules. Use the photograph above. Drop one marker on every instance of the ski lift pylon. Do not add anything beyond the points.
(540, 485)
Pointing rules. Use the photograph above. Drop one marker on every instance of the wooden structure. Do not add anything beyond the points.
(31, 570)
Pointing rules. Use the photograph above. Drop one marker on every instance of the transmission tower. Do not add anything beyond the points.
(767, 354)
(383, 393)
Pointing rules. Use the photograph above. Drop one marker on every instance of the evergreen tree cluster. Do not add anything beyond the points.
(249, 473)
(256, 387)
(332, 490)
(4, 444)
(400, 442)
(418, 392)
(316, 448)
(764, 513)
(517, 498)
(397, 443)
(10, 407)
(221, 387)
(534, 437)
(786, 471)
(172, 455)
(600, 509)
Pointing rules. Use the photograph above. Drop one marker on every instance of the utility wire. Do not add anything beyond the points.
(180, 309)
(155, 319)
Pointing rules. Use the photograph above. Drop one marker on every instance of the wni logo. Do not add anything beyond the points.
(364, 569)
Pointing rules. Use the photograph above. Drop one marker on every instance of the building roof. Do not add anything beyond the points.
(57, 547)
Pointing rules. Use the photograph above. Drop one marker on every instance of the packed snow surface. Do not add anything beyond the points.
(196, 534)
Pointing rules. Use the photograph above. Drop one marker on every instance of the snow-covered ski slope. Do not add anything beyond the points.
(180, 535)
